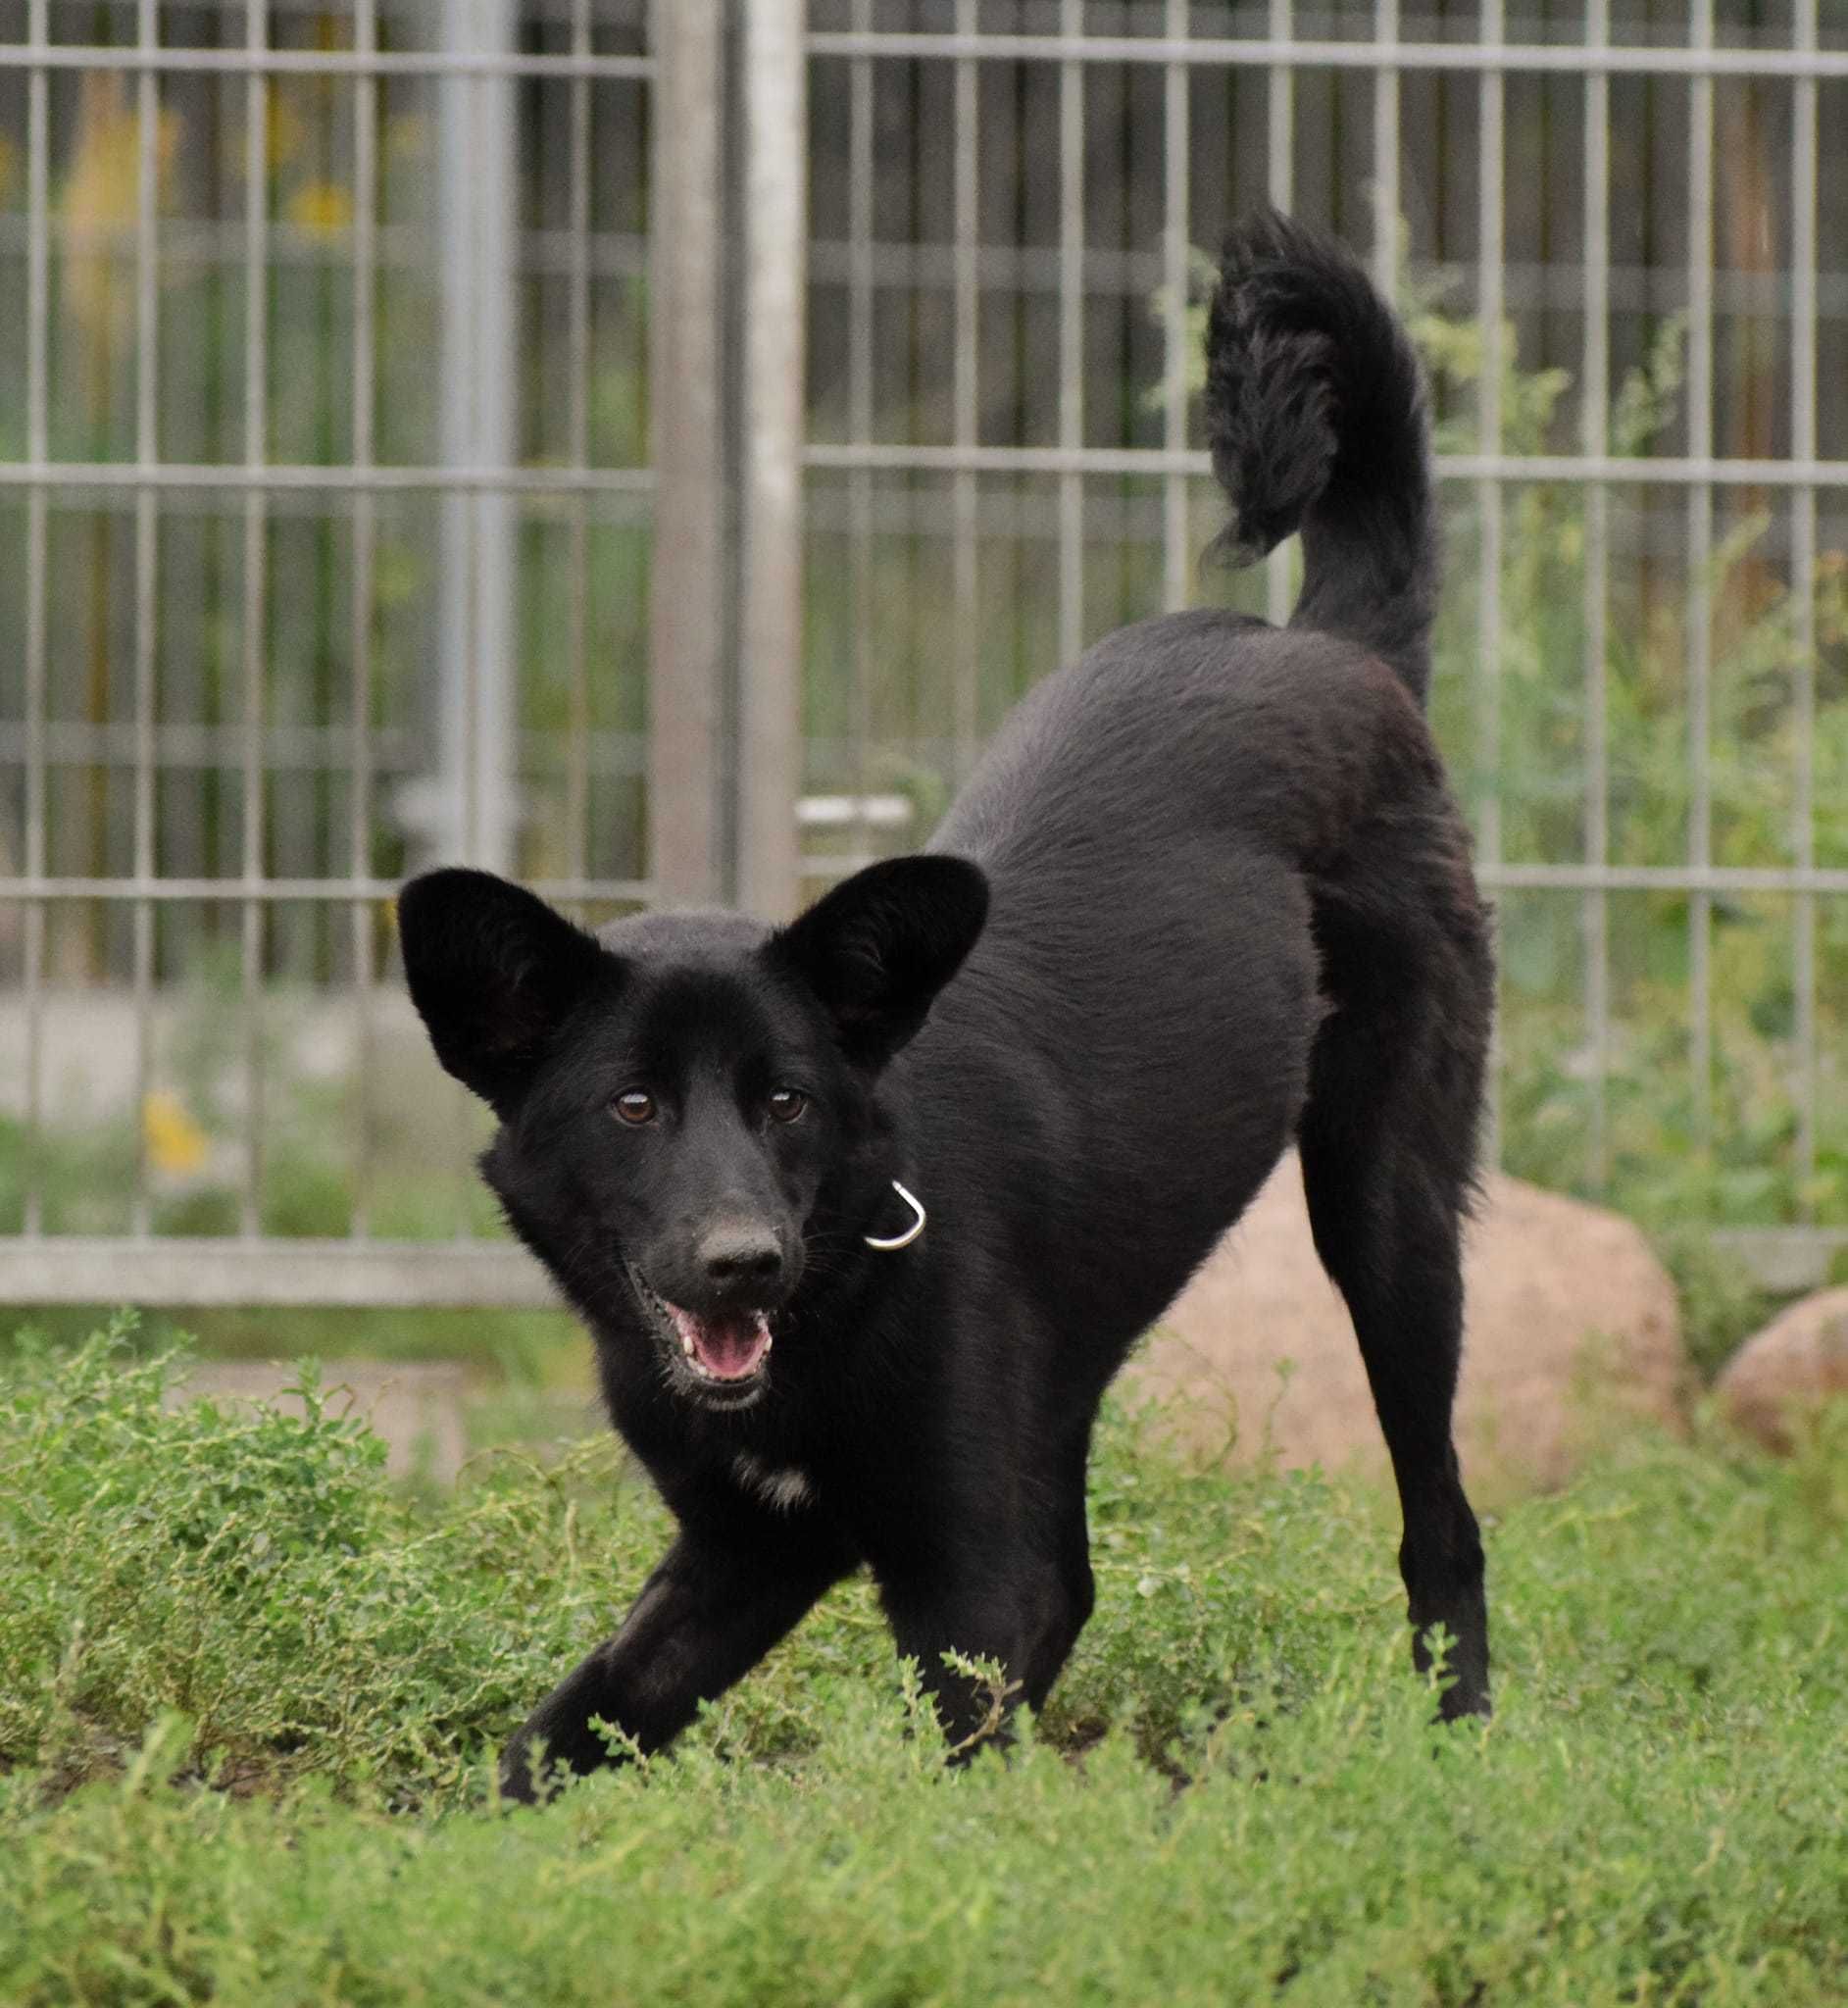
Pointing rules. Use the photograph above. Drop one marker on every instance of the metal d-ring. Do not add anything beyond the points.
(910, 1233)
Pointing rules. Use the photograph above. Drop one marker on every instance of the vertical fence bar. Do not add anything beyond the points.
(1174, 242)
(1699, 551)
(37, 330)
(1488, 495)
(467, 357)
(465, 368)
(360, 633)
(775, 290)
(146, 582)
(1803, 333)
(1594, 430)
(1281, 188)
(686, 608)
(861, 221)
(1386, 150)
(495, 515)
(476, 809)
(1071, 335)
(578, 420)
(451, 814)
(256, 450)
(964, 492)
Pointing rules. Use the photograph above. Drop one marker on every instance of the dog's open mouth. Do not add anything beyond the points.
(724, 1352)
(728, 1347)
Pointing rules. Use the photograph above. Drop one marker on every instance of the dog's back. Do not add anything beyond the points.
(1210, 838)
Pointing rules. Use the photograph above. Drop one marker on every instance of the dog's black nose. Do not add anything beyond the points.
(738, 1258)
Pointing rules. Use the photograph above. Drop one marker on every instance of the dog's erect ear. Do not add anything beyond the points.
(880, 948)
(493, 973)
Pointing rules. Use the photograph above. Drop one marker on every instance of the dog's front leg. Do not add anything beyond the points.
(707, 1614)
(991, 1620)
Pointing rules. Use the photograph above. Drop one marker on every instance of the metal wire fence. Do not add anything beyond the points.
(650, 450)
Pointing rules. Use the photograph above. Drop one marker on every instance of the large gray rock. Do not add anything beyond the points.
(1572, 1330)
(1798, 1360)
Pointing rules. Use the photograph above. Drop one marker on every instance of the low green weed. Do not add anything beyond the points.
(248, 1695)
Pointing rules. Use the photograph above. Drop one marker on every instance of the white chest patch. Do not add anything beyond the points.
(782, 1490)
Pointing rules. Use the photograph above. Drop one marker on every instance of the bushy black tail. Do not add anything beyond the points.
(1315, 412)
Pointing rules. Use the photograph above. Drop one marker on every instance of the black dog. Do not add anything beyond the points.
(1228, 904)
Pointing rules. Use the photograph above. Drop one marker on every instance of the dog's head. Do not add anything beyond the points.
(678, 1095)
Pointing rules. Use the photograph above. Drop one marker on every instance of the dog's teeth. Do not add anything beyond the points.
(687, 1345)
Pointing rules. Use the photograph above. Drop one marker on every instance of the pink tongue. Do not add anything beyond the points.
(728, 1347)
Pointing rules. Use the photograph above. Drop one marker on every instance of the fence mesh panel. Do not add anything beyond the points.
(324, 459)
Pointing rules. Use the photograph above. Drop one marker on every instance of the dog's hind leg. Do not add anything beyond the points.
(1387, 1147)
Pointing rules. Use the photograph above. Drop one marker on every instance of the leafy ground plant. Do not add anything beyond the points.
(247, 1693)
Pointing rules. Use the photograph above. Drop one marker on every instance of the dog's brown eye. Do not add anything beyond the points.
(635, 1106)
(787, 1103)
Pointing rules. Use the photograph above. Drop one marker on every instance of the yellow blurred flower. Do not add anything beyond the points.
(286, 132)
(101, 200)
(323, 209)
(175, 1143)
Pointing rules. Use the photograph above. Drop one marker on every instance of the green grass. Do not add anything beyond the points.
(523, 1349)
(248, 1692)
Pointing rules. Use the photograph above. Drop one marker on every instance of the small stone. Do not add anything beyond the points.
(1799, 1360)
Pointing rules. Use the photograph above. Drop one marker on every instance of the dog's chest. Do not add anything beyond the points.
(782, 1488)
